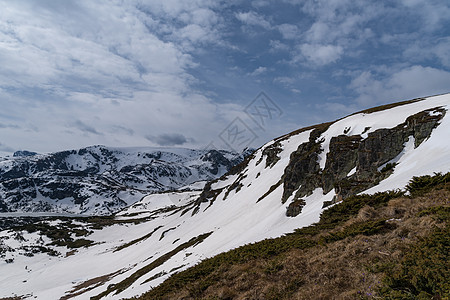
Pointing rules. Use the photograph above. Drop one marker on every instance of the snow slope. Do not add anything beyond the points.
(239, 208)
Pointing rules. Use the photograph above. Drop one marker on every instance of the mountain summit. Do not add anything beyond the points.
(283, 186)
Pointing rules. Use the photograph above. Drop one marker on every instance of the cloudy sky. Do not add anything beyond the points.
(190, 73)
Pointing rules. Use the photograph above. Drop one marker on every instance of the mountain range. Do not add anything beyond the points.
(285, 185)
(99, 180)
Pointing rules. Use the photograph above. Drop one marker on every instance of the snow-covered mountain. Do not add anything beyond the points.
(101, 180)
(282, 186)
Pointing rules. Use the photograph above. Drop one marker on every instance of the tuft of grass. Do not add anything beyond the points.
(388, 106)
(61, 234)
(202, 276)
(349, 207)
(126, 245)
(80, 243)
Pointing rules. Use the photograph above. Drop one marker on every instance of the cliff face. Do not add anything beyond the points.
(367, 155)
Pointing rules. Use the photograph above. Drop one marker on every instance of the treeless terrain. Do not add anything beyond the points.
(394, 248)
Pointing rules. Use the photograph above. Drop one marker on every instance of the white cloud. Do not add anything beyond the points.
(337, 108)
(288, 81)
(252, 18)
(84, 72)
(321, 54)
(318, 32)
(42, 52)
(6, 148)
(260, 3)
(336, 28)
(435, 48)
(85, 128)
(258, 71)
(168, 139)
(339, 19)
(278, 46)
(442, 51)
(288, 31)
(433, 14)
(406, 83)
(188, 24)
(105, 73)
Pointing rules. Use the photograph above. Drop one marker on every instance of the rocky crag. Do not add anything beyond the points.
(351, 163)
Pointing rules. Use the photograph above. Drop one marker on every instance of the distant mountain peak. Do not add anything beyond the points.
(24, 153)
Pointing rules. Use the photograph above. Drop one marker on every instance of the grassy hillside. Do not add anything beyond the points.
(386, 245)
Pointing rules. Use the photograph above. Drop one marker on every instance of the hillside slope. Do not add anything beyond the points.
(284, 185)
(385, 245)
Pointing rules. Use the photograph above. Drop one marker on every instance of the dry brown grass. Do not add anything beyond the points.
(90, 284)
(345, 269)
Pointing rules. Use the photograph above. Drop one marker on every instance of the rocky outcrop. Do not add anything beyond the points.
(217, 160)
(353, 163)
(341, 159)
(303, 171)
(384, 145)
(271, 154)
(365, 155)
(24, 153)
(295, 208)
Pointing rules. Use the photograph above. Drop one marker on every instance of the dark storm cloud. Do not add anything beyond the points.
(168, 139)
(85, 128)
(9, 126)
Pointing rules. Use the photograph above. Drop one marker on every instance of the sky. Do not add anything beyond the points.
(207, 74)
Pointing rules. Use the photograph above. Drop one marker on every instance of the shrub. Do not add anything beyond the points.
(418, 186)
(440, 213)
(364, 228)
(350, 207)
(388, 167)
(79, 243)
(423, 272)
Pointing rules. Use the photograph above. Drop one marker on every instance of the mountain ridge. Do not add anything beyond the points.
(283, 186)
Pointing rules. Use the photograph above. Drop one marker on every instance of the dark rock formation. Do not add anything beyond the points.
(24, 153)
(295, 208)
(303, 170)
(341, 159)
(271, 153)
(217, 159)
(347, 152)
